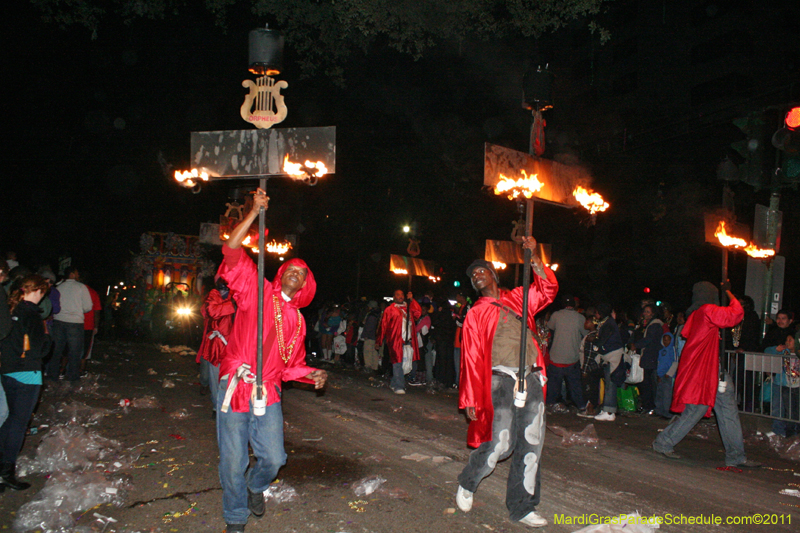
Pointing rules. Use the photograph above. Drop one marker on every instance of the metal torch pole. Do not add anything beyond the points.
(723, 300)
(260, 403)
(519, 400)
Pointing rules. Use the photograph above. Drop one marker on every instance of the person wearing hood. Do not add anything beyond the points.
(284, 331)
(698, 388)
(665, 374)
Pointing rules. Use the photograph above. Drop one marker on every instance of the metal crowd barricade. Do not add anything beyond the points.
(766, 384)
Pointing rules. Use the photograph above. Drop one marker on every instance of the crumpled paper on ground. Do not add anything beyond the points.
(368, 485)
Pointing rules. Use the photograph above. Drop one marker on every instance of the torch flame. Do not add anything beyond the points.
(308, 168)
(591, 200)
(400, 271)
(279, 248)
(187, 177)
(735, 242)
(522, 186)
(499, 265)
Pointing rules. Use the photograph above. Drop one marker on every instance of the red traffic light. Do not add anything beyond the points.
(793, 118)
(647, 290)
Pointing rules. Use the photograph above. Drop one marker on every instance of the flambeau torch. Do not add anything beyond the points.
(526, 187)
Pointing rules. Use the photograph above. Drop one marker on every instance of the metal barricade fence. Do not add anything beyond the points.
(767, 385)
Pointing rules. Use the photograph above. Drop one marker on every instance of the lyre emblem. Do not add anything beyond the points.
(269, 108)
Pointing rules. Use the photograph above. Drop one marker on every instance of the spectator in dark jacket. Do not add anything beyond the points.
(21, 372)
(609, 347)
(782, 327)
(648, 346)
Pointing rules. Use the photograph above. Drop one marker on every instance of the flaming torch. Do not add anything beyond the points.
(729, 241)
(189, 178)
(278, 248)
(499, 265)
(591, 200)
(525, 186)
(307, 170)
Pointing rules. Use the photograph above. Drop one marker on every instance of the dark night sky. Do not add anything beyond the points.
(88, 120)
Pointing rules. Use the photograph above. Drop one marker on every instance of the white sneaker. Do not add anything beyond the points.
(605, 416)
(464, 499)
(399, 391)
(534, 519)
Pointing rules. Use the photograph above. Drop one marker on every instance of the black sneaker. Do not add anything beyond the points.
(415, 383)
(231, 528)
(255, 502)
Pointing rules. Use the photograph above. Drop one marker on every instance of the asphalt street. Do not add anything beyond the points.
(158, 457)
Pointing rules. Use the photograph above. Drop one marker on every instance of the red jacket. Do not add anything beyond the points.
(242, 276)
(475, 389)
(698, 370)
(391, 330)
(218, 315)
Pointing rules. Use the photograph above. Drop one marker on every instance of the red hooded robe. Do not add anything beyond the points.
(218, 314)
(698, 370)
(242, 276)
(477, 336)
(391, 330)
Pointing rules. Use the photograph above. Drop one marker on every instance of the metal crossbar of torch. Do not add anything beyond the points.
(526, 187)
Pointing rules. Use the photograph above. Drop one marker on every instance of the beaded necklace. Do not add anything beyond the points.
(284, 351)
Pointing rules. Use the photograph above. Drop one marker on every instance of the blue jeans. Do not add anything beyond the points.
(610, 394)
(664, 395)
(234, 432)
(572, 373)
(69, 336)
(209, 376)
(430, 361)
(21, 399)
(517, 431)
(730, 427)
(457, 363)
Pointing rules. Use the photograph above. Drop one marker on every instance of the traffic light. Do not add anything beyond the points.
(787, 141)
(751, 148)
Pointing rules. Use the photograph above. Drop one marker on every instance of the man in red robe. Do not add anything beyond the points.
(490, 353)
(218, 311)
(283, 360)
(398, 330)
(699, 388)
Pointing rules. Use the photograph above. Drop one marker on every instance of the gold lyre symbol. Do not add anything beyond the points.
(269, 108)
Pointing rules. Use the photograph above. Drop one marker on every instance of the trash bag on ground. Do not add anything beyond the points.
(630, 523)
(786, 447)
(75, 413)
(368, 485)
(70, 449)
(280, 492)
(68, 493)
(587, 437)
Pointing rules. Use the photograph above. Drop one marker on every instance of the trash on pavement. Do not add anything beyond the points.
(587, 437)
(280, 492)
(368, 485)
(180, 414)
(68, 493)
(146, 402)
(168, 384)
(75, 448)
(416, 457)
(75, 413)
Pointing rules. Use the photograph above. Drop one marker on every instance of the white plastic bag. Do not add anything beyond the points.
(635, 372)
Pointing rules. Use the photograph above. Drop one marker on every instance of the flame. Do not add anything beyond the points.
(499, 265)
(434, 278)
(553, 267)
(400, 271)
(298, 170)
(187, 177)
(591, 200)
(735, 242)
(279, 248)
(522, 186)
